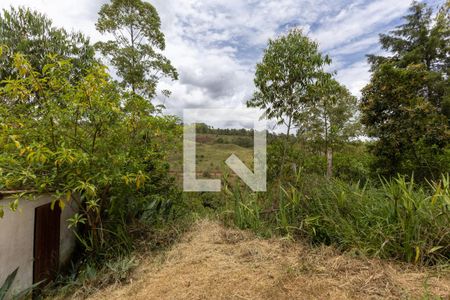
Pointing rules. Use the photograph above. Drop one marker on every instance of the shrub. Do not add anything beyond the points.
(87, 142)
(246, 142)
(400, 219)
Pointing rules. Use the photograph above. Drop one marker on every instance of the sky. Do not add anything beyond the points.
(216, 44)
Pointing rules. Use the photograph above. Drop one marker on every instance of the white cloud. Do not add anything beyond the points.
(74, 15)
(358, 20)
(215, 44)
(355, 76)
(355, 47)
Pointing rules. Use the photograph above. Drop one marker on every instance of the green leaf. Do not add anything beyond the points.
(434, 249)
(13, 205)
(7, 284)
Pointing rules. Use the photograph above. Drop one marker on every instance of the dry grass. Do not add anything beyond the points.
(212, 262)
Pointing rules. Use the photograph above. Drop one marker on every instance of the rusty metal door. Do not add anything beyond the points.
(46, 242)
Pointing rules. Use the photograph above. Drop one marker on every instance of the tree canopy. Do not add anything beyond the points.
(330, 120)
(405, 105)
(284, 79)
(84, 141)
(293, 88)
(135, 50)
(31, 33)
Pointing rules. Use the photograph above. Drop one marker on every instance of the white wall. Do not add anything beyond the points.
(17, 235)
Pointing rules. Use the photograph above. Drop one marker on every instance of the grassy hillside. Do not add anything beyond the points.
(212, 151)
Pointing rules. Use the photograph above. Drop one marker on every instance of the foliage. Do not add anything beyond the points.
(207, 129)
(135, 49)
(210, 157)
(89, 144)
(5, 288)
(89, 277)
(285, 79)
(330, 120)
(405, 105)
(31, 33)
(352, 161)
(246, 213)
(290, 66)
(245, 142)
(400, 220)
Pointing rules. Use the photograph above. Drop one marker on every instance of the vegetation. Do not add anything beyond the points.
(285, 79)
(368, 176)
(211, 157)
(32, 34)
(406, 104)
(67, 128)
(7, 293)
(6, 286)
(394, 204)
(398, 219)
(135, 49)
(329, 120)
(88, 143)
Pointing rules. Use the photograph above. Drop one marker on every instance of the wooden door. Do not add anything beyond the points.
(46, 242)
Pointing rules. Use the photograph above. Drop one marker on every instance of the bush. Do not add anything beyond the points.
(400, 219)
(246, 142)
(353, 163)
(296, 157)
(86, 142)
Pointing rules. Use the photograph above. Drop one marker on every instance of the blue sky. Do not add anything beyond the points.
(215, 44)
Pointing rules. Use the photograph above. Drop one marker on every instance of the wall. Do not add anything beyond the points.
(16, 239)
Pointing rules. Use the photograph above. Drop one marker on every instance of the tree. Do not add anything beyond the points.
(135, 49)
(331, 119)
(85, 142)
(405, 105)
(289, 69)
(33, 34)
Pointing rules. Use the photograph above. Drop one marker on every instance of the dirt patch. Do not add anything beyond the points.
(212, 262)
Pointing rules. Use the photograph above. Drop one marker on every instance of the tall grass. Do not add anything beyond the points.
(393, 219)
(244, 209)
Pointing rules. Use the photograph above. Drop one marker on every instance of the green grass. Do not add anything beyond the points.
(397, 219)
(210, 157)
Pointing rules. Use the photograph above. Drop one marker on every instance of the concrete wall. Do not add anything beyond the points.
(17, 235)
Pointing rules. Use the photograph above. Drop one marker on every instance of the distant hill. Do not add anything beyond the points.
(213, 149)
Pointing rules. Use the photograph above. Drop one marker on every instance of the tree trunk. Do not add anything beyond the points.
(285, 145)
(329, 162)
(133, 87)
